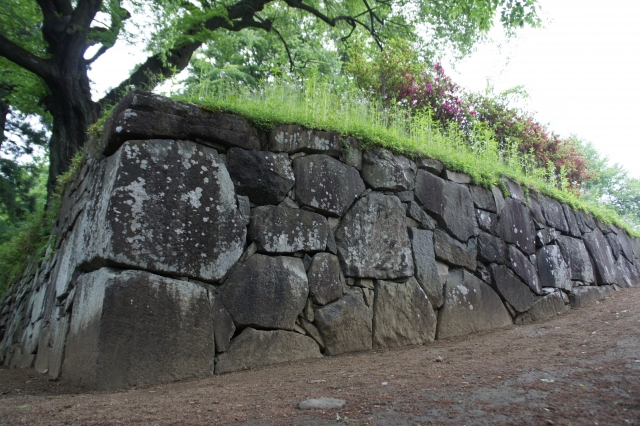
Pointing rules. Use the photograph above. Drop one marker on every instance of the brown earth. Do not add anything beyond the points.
(579, 369)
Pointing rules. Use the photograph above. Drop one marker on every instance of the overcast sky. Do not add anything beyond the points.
(581, 72)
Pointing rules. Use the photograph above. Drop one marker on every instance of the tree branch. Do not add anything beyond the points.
(239, 16)
(99, 53)
(24, 58)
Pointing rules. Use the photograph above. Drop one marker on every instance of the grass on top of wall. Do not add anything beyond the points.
(321, 106)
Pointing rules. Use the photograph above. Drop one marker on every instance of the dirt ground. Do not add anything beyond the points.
(579, 369)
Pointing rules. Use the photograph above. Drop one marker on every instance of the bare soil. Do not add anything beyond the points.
(579, 369)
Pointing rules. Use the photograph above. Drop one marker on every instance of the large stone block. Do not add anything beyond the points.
(346, 324)
(292, 138)
(166, 207)
(554, 213)
(483, 198)
(491, 249)
(470, 306)
(583, 296)
(144, 115)
(325, 283)
(402, 315)
(627, 274)
(616, 248)
(255, 348)
(572, 222)
(523, 267)
(424, 259)
(264, 177)
(284, 230)
(604, 263)
(383, 170)
(543, 308)
(552, 268)
(586, 223)
(266, 292)
(511, 288)
(450, 202)
(452, 251)
(515, 226)
(326, 184)
(223, 326)
(136, 328)
(577, 257)
(372, 239)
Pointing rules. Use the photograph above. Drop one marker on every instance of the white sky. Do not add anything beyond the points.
(581, 71)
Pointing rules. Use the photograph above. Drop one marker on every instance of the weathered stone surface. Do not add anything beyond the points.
(577, 257)
(346, 324)
(546, 236)
(582, 296)
(292, 138)
(313, 332)
(616, 248)
(325, 284)
(264, 177)
(604, 263)
(352, 153)
(121, 318)
(266, 292)
(511, 288)
(321, 403)
(244, 207)
(402, 315)
(326, 184)
(284, 230)
(144, 115)
(585, 222)
(450, 202)
(627, 274)
(456, 177)
(383, 170)
(498, 196)
(255, 348)
(552, 268)
(574, 228)
(431, 165)
(487, 221)
(223, 326)
(165, 206)
(625, 245)
(491, 249)
(415, 212)
(483, 198)
(515, 190)
(553, 213)
(536, 210)
(515, 226)
(372, 239)
(453, 251)
(425, 263)
(543, 308)
(519, 264)
(470, 306)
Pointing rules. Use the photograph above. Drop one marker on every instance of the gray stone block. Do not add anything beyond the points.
(450, 202)
(402, 315)
(292, 138)
(256, 348)
(469, 306)
(136, 328)
(554, 213)
(425, 263)
(264, 177)
(543, 308)
(604, 263)
(515, 226)
(523, 267)
(382, 170)
(583, 296)
(511, 288)
(372, 239)
(483, 198)
(552, 268)
(491, 249)
(452, 251)
(326, 184)
(284, 230)
(577, 257)
(266, 292)
(325, 283)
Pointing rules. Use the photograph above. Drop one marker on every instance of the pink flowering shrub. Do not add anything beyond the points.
(396, 76)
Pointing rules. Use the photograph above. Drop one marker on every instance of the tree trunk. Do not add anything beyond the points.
(4, 111)
(73, 112)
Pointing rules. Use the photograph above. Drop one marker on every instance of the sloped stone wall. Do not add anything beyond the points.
(191, 243)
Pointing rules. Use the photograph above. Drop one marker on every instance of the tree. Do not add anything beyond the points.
(49, 40)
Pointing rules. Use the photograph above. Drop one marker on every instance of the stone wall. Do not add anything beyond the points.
(190, 243)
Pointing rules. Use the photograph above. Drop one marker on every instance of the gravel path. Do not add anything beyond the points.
(579, 369)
